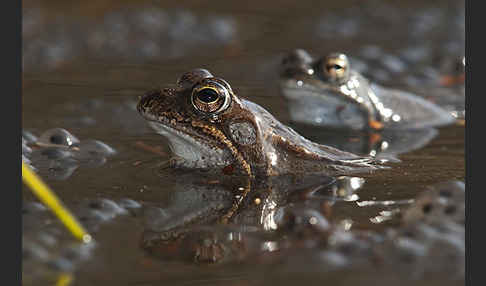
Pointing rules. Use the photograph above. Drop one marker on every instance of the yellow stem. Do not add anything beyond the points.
(45, 195)
(64, 279)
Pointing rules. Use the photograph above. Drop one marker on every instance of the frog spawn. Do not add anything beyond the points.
(430, 240)
(57, 153)
(50, 42)
(49, 251)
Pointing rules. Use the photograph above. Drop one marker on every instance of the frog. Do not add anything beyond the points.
(326, 91)
(208, 126)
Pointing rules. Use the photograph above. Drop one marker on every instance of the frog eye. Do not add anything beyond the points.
(210, 97)
(336, 67)
(207, 95)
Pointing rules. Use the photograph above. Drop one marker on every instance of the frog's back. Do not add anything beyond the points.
(289, 152)
(411, 111)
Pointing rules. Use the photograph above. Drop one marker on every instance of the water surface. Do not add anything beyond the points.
(85, 66)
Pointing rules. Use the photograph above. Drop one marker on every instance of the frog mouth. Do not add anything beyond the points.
(293, 89)
(155, 106)
(196, 150)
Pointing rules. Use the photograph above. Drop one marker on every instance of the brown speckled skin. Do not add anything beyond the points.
(276, 150)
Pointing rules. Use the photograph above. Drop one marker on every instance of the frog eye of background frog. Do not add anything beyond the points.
(336, 67)
(211, 97)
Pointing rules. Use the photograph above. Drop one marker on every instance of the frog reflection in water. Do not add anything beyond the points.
(328, 92)
(209, 127)
(184, 227)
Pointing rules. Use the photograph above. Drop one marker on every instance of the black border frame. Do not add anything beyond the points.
(11, 28)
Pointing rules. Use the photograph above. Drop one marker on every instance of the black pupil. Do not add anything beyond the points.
(207, 95)
(336, 67)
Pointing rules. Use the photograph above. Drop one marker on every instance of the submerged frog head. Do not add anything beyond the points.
(327, 91)
(209, 126)
(347, 94)
(331, 71)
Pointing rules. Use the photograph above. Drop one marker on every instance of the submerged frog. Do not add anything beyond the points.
(328, 92)
(209, 127)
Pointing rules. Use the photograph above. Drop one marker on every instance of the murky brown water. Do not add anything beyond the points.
(76, 79)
